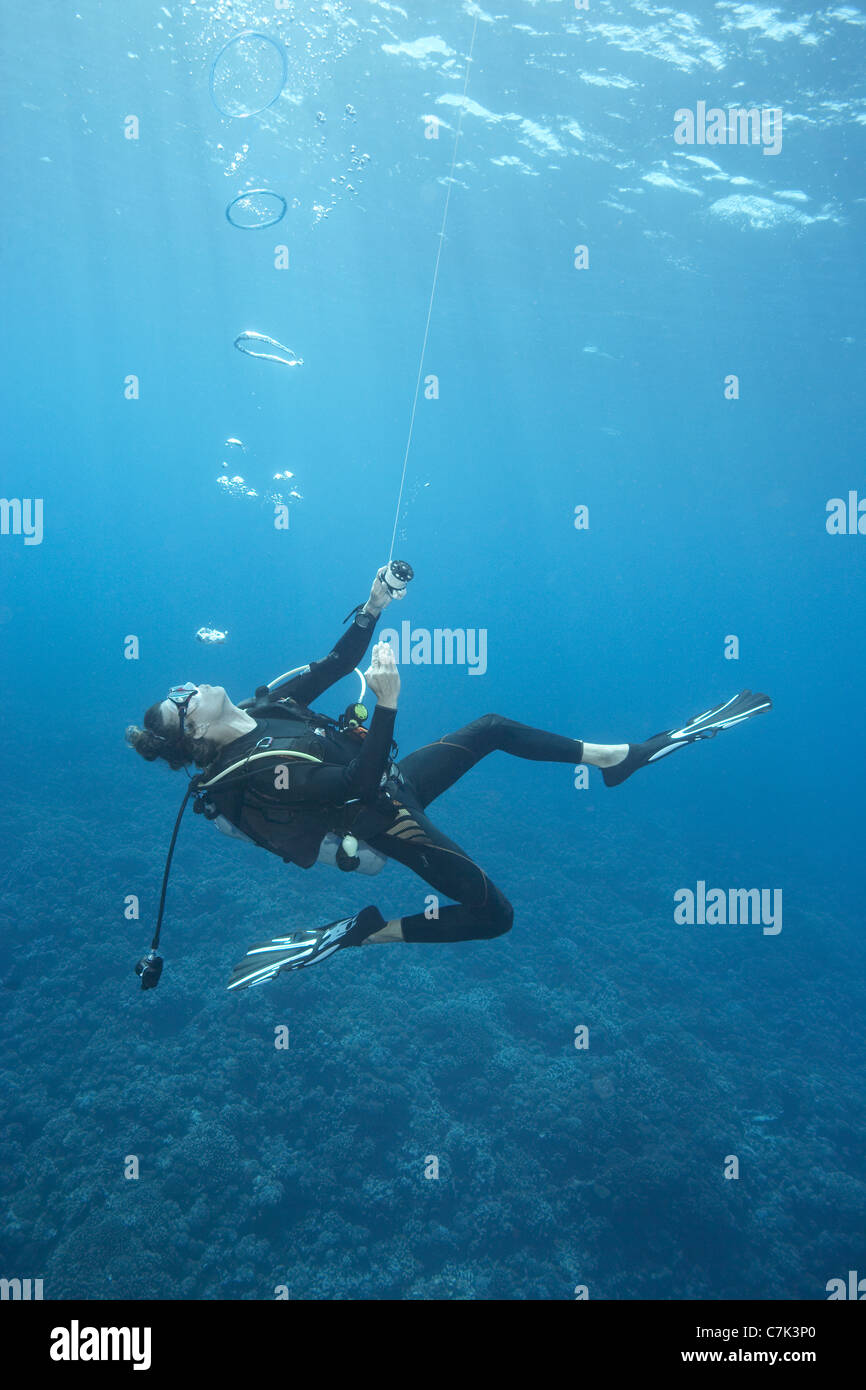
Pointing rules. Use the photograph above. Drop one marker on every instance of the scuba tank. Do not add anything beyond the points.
(349, 854)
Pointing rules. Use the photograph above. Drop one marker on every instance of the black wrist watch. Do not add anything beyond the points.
(364, 620)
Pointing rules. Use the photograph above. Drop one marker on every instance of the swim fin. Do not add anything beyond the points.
(706, 725)
(267, 959)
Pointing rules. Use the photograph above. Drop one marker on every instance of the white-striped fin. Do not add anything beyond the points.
(288, 953)
(714, 720)
(280, 948)
(668, 748)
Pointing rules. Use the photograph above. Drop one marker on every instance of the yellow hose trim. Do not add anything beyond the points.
(282, 757)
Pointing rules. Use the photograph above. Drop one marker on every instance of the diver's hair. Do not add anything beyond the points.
(159, 740)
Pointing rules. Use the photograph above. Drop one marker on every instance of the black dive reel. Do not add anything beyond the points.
(395, 576)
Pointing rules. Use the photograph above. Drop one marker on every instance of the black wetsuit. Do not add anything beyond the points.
(359, 789)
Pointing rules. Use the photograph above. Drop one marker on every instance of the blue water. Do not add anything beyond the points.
(304, 1170)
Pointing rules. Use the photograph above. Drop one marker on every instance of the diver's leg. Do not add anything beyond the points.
(604, 754)
(480, 912)
(437, 766)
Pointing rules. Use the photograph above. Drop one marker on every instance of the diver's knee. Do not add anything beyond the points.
(486, 721)
(486, 733)
(502, 922)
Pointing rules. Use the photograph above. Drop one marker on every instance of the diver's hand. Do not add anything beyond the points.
(380, 595)
(382, 677)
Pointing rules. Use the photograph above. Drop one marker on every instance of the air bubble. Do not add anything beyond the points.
(248, 74)
(259, 207)
(250, 343)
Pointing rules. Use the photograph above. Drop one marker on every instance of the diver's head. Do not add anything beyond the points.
(176, 728)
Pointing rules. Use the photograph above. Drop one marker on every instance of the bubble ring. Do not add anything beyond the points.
(243, 341)
(284, 62)
(257, 226)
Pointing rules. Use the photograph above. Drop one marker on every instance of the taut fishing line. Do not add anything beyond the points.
(433, 288)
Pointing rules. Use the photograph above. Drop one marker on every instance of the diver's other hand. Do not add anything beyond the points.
(382, 676)
(380, 595)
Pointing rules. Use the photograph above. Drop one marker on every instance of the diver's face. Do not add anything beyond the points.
(204, 708)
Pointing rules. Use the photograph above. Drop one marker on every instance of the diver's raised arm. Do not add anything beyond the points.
(383, 677)
(389, 583)
(331, 784)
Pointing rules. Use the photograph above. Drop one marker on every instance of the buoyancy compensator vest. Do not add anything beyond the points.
(256, 785)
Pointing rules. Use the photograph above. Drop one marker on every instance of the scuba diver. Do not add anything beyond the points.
(310, 788)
